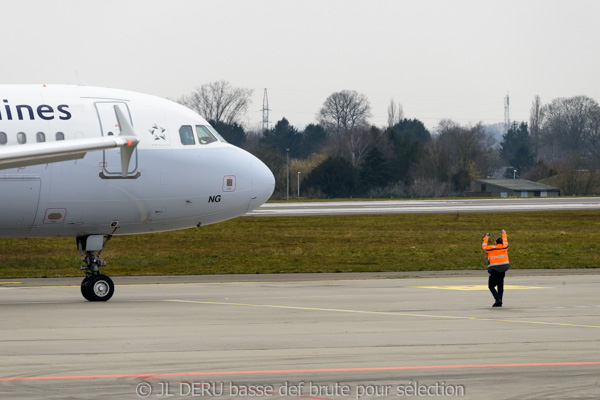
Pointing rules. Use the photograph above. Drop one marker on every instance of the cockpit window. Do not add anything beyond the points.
(186, 133)
(218, 136)
(205, 136)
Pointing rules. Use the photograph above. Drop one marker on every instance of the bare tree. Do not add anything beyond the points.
(536, 118)
(435, 163)
(345, 111)
(219, 101)
(353, 145)
(471, 152)
(572, 125)
(395, 113)
(344, 115)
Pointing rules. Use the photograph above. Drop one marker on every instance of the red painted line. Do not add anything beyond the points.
(298, 371)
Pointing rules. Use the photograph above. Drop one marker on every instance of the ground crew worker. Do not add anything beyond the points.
(497, 265)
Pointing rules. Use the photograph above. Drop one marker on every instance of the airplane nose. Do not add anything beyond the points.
(263, 184)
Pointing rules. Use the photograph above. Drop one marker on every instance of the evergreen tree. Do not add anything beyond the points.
(516, 150)
(408, 138)
(314, 138)
(374, 171)
(283, 136)
(233, 133)
(334, 177)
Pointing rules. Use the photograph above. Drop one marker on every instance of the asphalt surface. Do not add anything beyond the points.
(318, 336)
(427, 206)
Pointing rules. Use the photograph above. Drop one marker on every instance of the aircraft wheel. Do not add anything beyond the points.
(99, 288)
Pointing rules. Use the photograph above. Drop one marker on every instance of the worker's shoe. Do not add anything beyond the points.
(498, 303)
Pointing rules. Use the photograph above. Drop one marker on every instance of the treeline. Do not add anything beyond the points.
(343, 155)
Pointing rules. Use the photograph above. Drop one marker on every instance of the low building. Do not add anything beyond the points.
(512, 188)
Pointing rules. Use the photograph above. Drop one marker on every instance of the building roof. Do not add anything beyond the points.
(522, 185)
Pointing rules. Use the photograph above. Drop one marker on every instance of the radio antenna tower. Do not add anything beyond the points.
(265, 112)
(506, 113)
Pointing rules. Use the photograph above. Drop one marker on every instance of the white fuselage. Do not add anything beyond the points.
(170, 183)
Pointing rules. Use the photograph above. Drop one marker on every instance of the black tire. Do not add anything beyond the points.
(99, 288)
(84, 288)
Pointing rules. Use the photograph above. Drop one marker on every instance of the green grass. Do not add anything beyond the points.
(410, 242)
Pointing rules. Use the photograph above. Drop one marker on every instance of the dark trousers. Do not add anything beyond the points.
(496, 279)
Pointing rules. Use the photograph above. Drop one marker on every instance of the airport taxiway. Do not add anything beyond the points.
(323, 336)
(433, 206)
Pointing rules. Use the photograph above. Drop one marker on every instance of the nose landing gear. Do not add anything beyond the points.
(95, 286)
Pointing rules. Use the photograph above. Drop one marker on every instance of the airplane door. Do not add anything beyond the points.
(19, 196)
(109, 126)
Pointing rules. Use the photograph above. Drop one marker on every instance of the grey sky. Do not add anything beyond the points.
(438, 58)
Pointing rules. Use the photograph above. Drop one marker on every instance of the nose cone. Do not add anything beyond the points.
(263, 184)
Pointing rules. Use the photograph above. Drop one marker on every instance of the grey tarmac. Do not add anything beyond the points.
(325, 336)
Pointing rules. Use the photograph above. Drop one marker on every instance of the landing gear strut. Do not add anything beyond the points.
(95, 286)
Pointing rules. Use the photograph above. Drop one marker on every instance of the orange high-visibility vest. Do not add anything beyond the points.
(497, 253)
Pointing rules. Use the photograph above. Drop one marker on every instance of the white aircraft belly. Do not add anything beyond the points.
(77, 200)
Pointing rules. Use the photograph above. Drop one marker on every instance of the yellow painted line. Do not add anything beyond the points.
(381, 313)
(478, 287)
(11, 283)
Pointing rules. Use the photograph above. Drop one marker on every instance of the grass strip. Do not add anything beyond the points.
(247, 245)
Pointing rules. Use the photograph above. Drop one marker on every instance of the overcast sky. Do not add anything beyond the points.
(452, 59)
